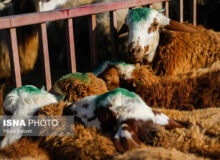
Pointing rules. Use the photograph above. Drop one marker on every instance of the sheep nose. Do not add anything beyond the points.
(135, 54)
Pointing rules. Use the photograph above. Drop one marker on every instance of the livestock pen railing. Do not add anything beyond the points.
(41, 18)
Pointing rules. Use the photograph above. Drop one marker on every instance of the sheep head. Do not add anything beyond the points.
(144, 26)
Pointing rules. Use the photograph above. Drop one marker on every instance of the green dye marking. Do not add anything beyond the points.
(101, 67)
(29, 89)
(136, 15)
(82, 77)
(115, 92)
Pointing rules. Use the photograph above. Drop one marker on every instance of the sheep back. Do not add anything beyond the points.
(180, 52)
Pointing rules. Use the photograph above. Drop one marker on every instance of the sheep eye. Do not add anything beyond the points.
(155, 25)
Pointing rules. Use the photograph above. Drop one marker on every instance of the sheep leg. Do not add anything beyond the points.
(162, 119)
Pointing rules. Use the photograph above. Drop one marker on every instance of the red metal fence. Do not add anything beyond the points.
(11, 22)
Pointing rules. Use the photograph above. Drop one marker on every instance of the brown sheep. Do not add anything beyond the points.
(201, 135)
(86, 143)
(75, 86)
(180, 49)
(157, 153)
(197, 89)
(24, 149)
(27, 38)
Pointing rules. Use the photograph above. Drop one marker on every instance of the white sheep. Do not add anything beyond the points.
(124, 114)
(22, 103)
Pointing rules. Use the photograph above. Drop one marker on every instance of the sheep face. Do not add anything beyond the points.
(144, 25)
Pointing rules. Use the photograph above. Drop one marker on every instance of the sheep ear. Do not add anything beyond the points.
(177, 26)
(161, 10)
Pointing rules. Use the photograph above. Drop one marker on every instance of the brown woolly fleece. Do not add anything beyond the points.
(76, 89)
(24, 149)
(199, 88)
(180, 52)
(86, 144)
(201, 135)
(157, 153)
(141, 75)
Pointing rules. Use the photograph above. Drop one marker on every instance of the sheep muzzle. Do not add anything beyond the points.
(135, 53)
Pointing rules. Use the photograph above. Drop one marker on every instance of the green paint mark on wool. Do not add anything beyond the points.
(136, 15)
(101, 67)
(114, 92)
(28, 89)
(82, 77)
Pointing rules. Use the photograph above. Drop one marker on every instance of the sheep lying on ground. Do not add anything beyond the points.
(75, 86)
(24, 149)
(22, 103)
(122, 113)
(181, 47)
(201, 136)
(157, 153)
(86, 143)
(197, 89)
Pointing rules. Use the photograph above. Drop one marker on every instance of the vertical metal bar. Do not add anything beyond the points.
(45, 52)
(71, 47)
(113, 29)
(167, 8)
(14, 57)
(92, 32)
(194, 12)
(181, 11)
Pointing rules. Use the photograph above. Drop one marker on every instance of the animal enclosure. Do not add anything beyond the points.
(12, 22)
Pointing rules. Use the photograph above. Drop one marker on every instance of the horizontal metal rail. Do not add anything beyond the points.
(42, 17)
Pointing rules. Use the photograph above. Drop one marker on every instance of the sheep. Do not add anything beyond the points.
(24, 149)
(122, 112)
(75, 86)
(81, 35)
(200, 136)
(21, 103)
(157, 153)
(27, 38)
(27, 42)
(180, 49)
(85, 143)
(197, 89)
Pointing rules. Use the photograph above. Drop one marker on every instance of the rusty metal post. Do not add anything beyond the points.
(71, 45)
(14, 57)
(92, 32)
(45, 52)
